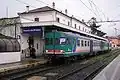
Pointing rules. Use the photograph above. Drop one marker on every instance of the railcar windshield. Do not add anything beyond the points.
(57, 41)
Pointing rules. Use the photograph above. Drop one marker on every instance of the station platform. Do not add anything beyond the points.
(111, 71)
(28, 62)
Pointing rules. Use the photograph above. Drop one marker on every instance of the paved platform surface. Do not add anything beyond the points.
(22, 64)
(111, 71)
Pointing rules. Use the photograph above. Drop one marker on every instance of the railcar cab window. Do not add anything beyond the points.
(57, 41)
(48, 41)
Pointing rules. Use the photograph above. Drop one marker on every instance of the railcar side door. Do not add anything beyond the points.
(91, 47)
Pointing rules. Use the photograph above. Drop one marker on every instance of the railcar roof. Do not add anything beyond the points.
(71, 34)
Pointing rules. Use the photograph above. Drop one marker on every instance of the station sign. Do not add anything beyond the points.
(32, 29)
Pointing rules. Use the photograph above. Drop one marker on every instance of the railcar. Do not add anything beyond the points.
(68, 44)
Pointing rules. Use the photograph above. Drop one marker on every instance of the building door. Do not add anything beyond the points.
(30, 41)
(38, 45)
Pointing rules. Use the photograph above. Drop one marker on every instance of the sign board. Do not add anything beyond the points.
(32, 29)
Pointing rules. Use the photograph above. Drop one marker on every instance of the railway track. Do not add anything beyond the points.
(79, 70)
(15, 75)
(88, 72)
(87, 69)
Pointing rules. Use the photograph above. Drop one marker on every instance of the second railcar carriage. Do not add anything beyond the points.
(67, 44)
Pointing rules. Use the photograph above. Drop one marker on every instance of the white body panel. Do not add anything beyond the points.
(83, 49)
(96, 48)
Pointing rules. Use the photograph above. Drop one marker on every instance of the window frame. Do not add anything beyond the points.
(82, 43)
(58, 19)
(75, 26)
(85, 43)
(36, 19)
(78, 42)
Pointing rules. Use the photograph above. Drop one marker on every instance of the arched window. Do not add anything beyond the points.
(9, 45)
(16, 45)
(2, 46)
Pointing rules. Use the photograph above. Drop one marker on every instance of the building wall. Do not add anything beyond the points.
(72, 22)
(63, 19)
(80, 26)
(52, 16)
(115, 42)
(43, 16)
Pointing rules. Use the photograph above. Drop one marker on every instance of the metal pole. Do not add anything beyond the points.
(115, 31)
(15, 28)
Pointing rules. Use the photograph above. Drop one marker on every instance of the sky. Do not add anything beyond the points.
(102, 10)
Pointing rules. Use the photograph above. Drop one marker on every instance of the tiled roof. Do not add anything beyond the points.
(42, 9)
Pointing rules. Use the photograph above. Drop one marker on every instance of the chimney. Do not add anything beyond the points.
(27, 8)
(83, 20)
(72, 16)
(53, 5)
(65, 11)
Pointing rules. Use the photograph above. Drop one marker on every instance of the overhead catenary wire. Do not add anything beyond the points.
(99, 10)
(88, 7)
(42, 2)
(107, 21)
(25, 3)
(95, 9)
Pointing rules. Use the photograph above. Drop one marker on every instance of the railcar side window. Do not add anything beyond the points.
(85, 43)
(78, 42)
(82, 43)
(88, 43)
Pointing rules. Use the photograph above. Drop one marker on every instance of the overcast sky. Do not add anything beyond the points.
(102, 10)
